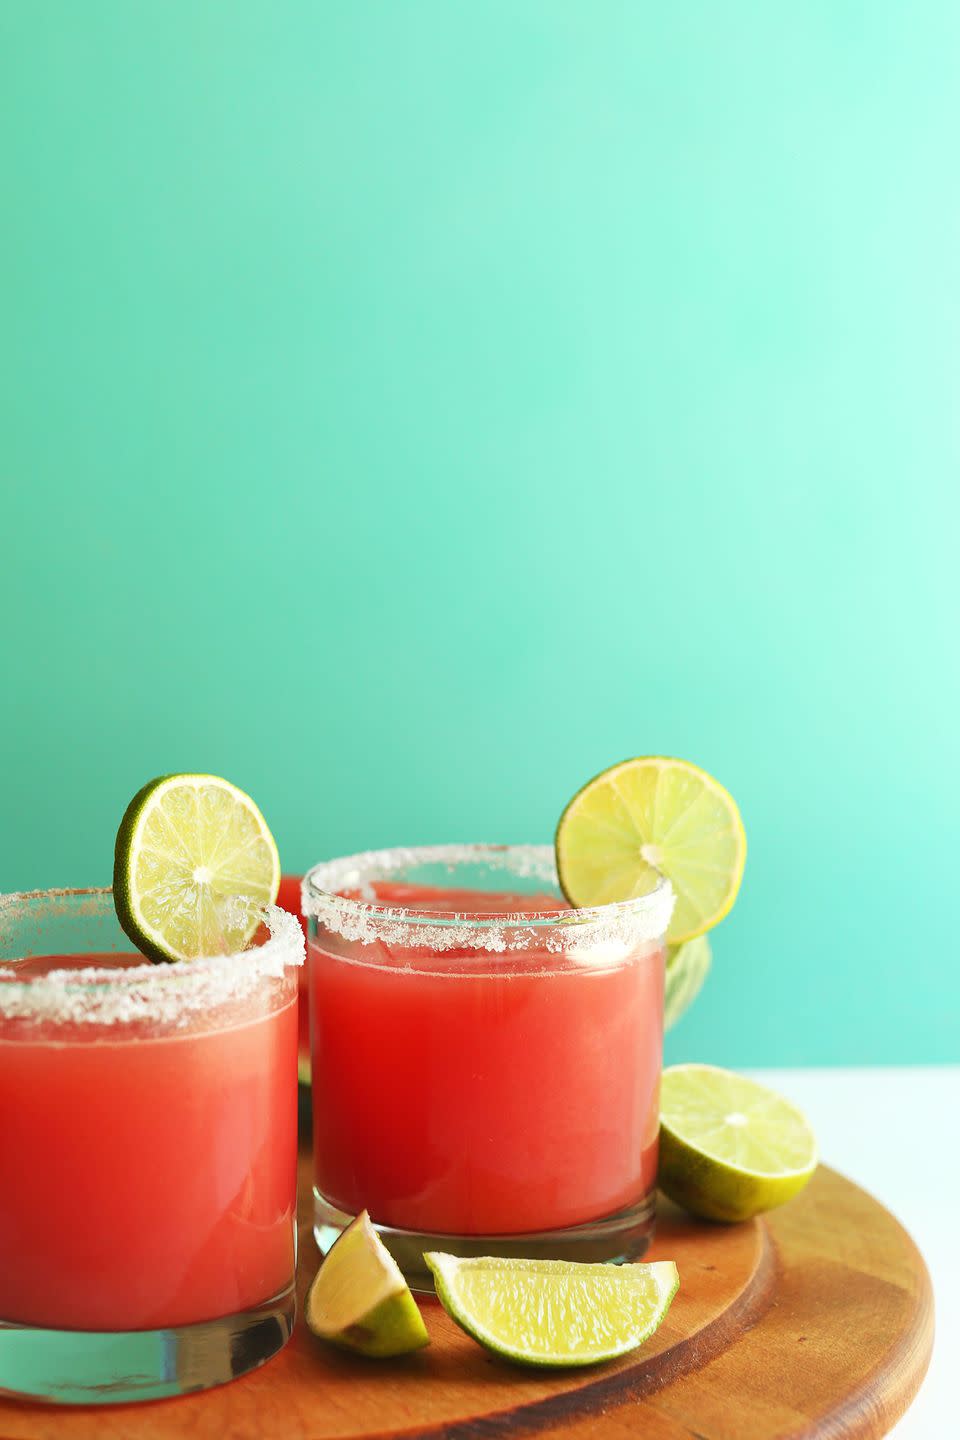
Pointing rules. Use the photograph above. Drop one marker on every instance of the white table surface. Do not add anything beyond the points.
(895, 1131)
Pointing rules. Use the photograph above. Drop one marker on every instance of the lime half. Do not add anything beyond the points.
(187, 845)
(687, 967)
(729, 1147)
(554, 1312)
(360, 1300)
(649, 817)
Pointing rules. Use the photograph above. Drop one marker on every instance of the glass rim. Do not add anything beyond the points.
(366, 919)
(153, 990)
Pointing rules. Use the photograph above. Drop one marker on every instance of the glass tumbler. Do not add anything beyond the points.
(148, 1148)
(486, 1060)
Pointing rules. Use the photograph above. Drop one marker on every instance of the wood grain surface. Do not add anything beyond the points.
(815, 1322)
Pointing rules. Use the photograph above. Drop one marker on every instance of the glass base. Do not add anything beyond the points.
(92, 1367)
(613, 1240)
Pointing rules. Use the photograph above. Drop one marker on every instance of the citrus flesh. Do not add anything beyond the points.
(359, 1299)
(730, 1148)
(187, 846)
(648, 817)
(554, 1312)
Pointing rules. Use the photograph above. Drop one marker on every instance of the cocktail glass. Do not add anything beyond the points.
(486, 1061)
(148, 1147)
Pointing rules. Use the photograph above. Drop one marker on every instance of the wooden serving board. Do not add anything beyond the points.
(814, 1322)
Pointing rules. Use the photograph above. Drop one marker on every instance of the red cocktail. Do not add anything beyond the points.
(485, 1060)
(288, 898)
(148, 1139)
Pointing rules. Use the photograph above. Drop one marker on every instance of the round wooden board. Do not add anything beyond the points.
(815, 1322)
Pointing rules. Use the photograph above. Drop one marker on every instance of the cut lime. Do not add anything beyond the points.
(730, 1148)
(687, 967)
(360, 1300)
(554, 1312)
(187, 845)
(649, 817)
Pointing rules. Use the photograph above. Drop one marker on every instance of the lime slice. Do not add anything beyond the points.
(649, 817)
(687, 967)
(360, 1300)
(186, 846)
(730, 1148)
(554, 1312)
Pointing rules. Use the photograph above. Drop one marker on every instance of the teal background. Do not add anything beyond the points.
(410, 409)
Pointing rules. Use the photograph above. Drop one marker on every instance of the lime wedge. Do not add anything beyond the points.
(360, 1300)
(649, 817)
(554, 1312)
(186, 846)
(687, 967)
(730, 1148)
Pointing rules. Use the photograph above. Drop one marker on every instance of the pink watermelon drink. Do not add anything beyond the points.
(485, 1061)
(288, 899)
(147, 1129)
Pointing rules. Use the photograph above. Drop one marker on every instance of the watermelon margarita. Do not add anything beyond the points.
(486, 1061)
(288, 898)
(148, 1135)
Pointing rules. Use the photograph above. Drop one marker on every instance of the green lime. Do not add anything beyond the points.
(649, 817)
(687, 967)
(360, 1300)
(187, 845)
(730, 1148)
(554, 1312)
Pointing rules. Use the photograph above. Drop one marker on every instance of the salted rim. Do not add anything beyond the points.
(616, 926)
(165, 993)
